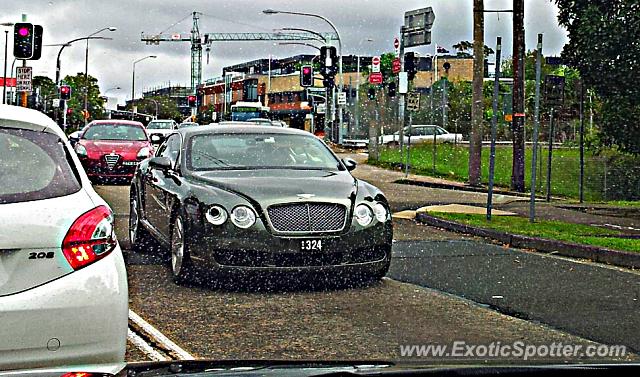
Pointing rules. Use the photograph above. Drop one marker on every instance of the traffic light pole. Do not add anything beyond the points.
(403, 96)
(64, 115)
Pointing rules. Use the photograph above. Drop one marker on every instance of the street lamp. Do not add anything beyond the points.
(4, 76)
(319, 36)
(69, 44)
(86, 68)
(341, 88)
(298, 44)
(133, 76)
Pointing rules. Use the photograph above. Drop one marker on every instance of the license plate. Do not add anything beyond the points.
(311, 245)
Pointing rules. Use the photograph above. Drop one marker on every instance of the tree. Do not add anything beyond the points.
(167, 107)
(464, 46)
(603, 46)
(47, 91)
(76, 103)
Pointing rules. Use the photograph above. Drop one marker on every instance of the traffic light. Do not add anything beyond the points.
(37, 42)
(306, 76)
(392, 89)
(328, 61)
(329, 82)
(69, 111)
(410, 65)
(192, 100)
(371, 94)
(65, 92)
(23, 40)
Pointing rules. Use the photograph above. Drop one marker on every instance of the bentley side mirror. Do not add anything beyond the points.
(160, 163)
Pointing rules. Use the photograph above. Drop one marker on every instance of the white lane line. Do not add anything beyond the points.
(159, 337)
(143, 346)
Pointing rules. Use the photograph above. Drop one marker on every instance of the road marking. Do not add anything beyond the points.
(145, 347)
(159, 337)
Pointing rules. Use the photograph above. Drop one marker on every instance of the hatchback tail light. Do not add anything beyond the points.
(90, 238)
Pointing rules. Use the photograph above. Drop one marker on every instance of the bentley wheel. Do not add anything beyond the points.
(181, 265)
(138, 236)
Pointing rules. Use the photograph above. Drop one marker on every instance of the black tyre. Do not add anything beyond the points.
(181, 265)
(139, 239)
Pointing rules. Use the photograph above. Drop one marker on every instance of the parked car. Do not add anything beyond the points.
(248, 199)
(158, 129)
(261, 121)
(279, 123)
(187, 124)
(421, 133)
(63, 284)
(113, 148)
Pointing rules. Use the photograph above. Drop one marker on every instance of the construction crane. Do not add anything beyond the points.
(198, 39)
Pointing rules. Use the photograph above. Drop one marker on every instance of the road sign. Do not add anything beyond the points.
(413, 101)
(553, 60)
(419, 18)
(396, 46)
(375, 64)
(375, 78)
(554, 90)
(23, 79)
(396, 66)
(417, 27)
(403, 82)
(342, 98)
(420, 37)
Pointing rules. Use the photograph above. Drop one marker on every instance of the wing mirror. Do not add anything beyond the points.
(160, 163)
(349, 163)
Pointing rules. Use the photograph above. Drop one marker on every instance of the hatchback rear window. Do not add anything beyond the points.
(33, 166)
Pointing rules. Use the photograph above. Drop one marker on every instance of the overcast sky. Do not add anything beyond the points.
(367, 27)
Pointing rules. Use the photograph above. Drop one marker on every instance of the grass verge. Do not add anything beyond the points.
(553, 230)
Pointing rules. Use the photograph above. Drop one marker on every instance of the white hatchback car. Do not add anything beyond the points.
(63, 283)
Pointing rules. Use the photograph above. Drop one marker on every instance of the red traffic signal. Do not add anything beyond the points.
(23, 40)
(192, 101)
(65, 92)
(69, 111)
(306, 76)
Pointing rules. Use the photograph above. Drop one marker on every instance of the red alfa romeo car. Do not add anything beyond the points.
(113, 148)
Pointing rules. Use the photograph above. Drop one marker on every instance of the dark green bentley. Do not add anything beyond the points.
(247, 199)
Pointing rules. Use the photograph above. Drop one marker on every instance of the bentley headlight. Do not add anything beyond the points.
(381, 212)
(363, 214)
(216, 215)
(243, 217)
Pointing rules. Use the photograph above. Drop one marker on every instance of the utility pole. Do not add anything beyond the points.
(536, 128)
(477, 109)
(517, 171)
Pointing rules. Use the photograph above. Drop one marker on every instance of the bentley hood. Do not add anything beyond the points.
(270, 186)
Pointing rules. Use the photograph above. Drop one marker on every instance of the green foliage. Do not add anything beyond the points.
(95, 103)
(554, 230)
(603, 37)
(610, 175)
(167, 107)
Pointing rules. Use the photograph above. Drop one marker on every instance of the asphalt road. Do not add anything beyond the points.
(362, 322)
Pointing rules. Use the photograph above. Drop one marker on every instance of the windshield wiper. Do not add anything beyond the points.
(213, 159)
